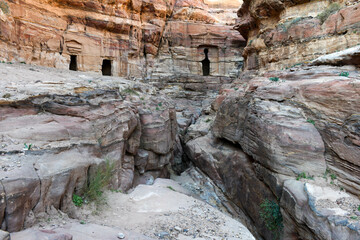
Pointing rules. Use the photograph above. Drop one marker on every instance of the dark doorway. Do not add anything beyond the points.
(73, 63)
(206, 63)
(106, 67)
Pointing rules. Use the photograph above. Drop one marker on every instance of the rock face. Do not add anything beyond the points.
(132, 38)
(283, 33)
(70, 125)
(267, 133)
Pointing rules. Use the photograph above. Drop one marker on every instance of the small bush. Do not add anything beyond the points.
(331, 9)
(271, 215)
(77, 200)
(274, 79)
(344, 74)
(359, 208)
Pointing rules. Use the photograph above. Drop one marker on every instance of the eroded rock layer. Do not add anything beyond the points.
(291, 137)
(55, 133)
(283, 33)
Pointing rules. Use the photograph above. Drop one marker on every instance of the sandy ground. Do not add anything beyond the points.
(164, 211)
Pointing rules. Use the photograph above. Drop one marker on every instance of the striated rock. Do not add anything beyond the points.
(300, 122)
(57, 135)
(285, 33)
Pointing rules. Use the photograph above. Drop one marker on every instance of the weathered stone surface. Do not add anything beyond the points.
(299, 204)
(303, 122)
(4, 235)
(75, 231)
(284, 33)
(350, 56)
(56, 135)
(232, 171)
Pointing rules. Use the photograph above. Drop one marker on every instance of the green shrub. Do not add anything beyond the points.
(331, 9)
(274, 79)
(359, 208)
(344, 74)
(332, 176)
(309, 120)
(271, 215)
(4, 7)
(77, 200)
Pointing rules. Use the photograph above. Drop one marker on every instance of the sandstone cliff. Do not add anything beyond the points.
(133, 38)
(282, 33)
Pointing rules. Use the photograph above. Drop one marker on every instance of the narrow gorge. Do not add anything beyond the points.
(179, 119)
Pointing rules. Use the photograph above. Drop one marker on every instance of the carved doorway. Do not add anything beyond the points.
(73, 63)
(106, 67)
(206, 63)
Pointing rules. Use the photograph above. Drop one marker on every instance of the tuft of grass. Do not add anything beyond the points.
(97, 183)
(354, 217)
(309, 120)
(77, 200)
(344, 74)
(274, 79)
(236, 89)
(304, 176)
(271, 215)
(331, 9)
(27, 147)
(208, 120)
(129, 91)
(359, 208)
(171, 188)
(157, 108)
(4, 7)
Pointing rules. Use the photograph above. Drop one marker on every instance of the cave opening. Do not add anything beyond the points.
(73, 63)
(206, 63)
(106, 67)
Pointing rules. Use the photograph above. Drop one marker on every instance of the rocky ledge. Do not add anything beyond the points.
(58, 127)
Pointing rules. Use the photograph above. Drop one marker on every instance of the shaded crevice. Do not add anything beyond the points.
(4, 223)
